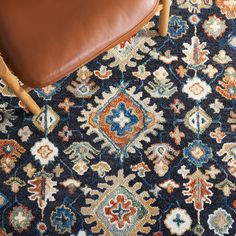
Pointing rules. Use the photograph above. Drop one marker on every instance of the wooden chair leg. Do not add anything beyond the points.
(164, 18)
(27, 88)
(12, 82)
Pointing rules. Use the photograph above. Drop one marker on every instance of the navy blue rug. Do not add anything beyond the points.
(140, 141)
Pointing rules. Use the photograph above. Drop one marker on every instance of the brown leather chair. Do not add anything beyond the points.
(43, 41)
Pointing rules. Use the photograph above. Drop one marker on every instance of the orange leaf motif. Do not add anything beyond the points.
(198, 190)
(195, 54)
(43, 189)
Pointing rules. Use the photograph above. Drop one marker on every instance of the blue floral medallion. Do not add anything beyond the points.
(122, 120)
(198, 153)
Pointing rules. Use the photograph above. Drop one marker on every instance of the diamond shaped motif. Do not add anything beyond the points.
(47, 120)
(118, 209)
(121, 120)
(197, 120)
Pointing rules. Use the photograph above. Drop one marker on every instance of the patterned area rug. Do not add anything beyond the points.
(141, 141)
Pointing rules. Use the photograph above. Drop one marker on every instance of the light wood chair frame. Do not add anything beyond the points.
(22, 91)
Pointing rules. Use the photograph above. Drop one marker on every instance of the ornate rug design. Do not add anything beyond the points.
(140, 141)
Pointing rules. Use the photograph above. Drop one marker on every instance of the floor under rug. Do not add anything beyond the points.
(140, 141)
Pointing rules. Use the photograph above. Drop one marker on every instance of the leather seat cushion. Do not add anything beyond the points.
(43, 41)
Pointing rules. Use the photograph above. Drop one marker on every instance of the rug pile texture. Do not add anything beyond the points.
(140, 141)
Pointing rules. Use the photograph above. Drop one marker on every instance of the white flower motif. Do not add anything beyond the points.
(197, 89)
(154, 54)
(161, 73)
(194, 19)
(178, 221)
(155, 191)
(142, 73)
(220, 221)
(168, 58)
(222, 57)
(86, 190)
(170, 185)
(25, 133)
(80, 167)
(183, 171)
(44, 151)
(210, 71)
(217, 106)
(214, 27)
(212, 172)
